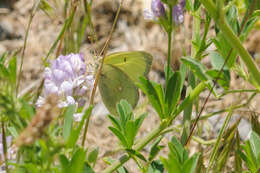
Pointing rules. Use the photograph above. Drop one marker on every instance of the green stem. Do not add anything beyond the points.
(4, 142)
(204, 117)
(169, 32)
(188, 100)
(66, 25)
(232, 38)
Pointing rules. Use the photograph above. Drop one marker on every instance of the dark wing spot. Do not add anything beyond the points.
(124, 59)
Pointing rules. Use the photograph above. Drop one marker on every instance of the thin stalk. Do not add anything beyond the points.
(215, 149)
(195, 31)
(169, 32)
(88, 13)
(103, 52)
(4, 146)
(233, 39)
(34, 9)
(202, 141)
(239, 91)
(193, 94)
(225, 110)
(66, 25)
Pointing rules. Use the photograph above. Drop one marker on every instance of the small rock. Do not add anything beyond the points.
(6, 31)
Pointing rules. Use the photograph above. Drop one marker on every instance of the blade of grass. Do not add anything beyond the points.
(216, 146)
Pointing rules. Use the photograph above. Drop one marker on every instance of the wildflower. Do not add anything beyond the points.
(157, 10)
(177, 13)
(67, 78)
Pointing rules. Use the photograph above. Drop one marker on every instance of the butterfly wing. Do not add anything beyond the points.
(114, 85)
(134, 64)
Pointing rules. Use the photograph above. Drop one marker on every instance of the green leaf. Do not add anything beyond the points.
(130, 133)
(139, 121)
(217, 60)
(171, 72)
(224, 48)
(223, 78)
(173, 92)
(119, 135)
(160, 93)
(13, 131)
(74, 135)
(68, 122)
(190, 164)
(156, 166)
(189, 5)
(255, 143)
(196, 67)
(77, 161)
(250, 157)
(87, 168)
(177, 149)
(171, 165)
(12, 70)
(136, 153)
(115, 122)
(238, 160)
(122, 115)
(120, 169)
(126, 106)
(64, 163)
(92, 156)
(148, 88)
(155, 148)
(4, 73)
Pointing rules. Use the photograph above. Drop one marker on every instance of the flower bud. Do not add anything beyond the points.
(158, 9)
(177, 13)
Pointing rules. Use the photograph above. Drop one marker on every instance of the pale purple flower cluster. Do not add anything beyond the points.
(67, 78)
(158, 11)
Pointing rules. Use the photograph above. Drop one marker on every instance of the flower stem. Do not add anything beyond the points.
(4, 146)
(34, 9)
(169, 32)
